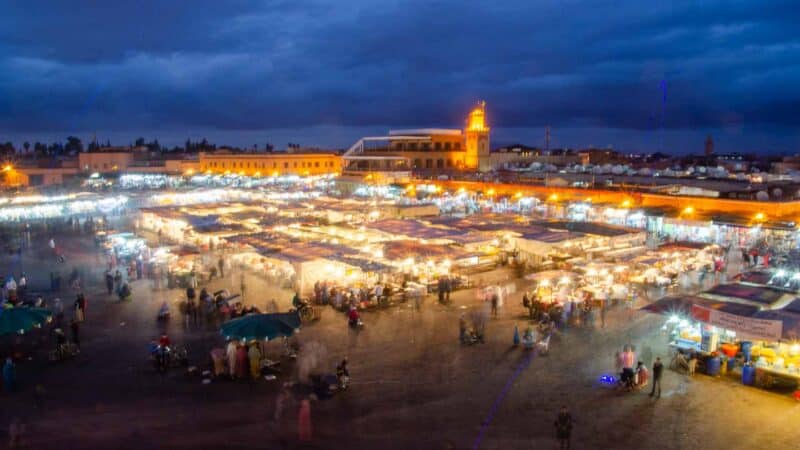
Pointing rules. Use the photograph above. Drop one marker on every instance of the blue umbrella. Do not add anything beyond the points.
(261, 326)
(20, 320)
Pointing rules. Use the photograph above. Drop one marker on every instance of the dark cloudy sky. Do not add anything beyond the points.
(326, 72)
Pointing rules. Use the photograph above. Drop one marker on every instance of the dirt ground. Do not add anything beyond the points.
(413, 384)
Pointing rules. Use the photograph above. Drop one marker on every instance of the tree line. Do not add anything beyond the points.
(73, 145)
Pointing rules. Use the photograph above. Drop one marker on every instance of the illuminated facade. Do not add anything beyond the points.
(268, 164)
(425, 149)
(477, 139)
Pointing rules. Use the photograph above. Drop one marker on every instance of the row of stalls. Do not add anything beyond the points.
(686, 225)
(750, 328)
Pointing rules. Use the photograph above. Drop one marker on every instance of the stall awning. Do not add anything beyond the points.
(682, 305)
(759, 295)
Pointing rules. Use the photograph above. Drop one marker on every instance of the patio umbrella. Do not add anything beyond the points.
(20, 320)
(261, 326)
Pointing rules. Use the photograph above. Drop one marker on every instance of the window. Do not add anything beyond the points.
(105, 166)
(412, 146)
(399, 146)
(428, 163)
(458, 145)
(449, 163)
(447, 146)
(426, 146)
(295, 165)
(417, 163)
(316, 164)
(286, 165)
(274, 165)
(439, 163)
(437, 146)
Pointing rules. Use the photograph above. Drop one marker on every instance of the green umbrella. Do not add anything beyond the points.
(254, 327)
(20, 320)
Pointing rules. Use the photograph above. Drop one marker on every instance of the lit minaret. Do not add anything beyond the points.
(477, 139)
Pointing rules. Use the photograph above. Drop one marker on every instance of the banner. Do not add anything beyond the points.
(768, 330)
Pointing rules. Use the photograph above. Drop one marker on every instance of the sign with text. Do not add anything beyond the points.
(770, 330)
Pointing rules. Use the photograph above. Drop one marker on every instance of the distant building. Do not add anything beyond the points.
(709, 146)
(104, 161)
(424, 149)
(600, 156)
(267, 164)
(519, 154)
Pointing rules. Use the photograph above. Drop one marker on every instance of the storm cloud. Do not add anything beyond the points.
(627, 66)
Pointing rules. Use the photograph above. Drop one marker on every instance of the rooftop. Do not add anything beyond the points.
(425, 132)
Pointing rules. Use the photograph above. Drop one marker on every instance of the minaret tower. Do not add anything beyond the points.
(477, 140)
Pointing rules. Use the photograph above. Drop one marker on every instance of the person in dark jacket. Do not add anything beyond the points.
(109, 283)
(563, 426)
(658, 369)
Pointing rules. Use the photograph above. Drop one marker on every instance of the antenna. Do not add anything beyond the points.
(547, 139)
(663, 86)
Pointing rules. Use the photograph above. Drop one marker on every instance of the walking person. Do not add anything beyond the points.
(563, 426)
(244, 288)
(39, 393)
(9, 376)
(221, 265)
(191, 306)
(254, 355)
(109, 282)
(658, 369)
(117, 280)
(495, 300)
(230, 353)
(242, 361)
(15, 431)
(304, 421)
(280, 404)
(74, 327)
(80, 308)
(22, 286)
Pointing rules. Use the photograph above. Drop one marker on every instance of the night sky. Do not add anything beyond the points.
(325, 73)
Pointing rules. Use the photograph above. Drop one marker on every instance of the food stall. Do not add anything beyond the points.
(754, 334)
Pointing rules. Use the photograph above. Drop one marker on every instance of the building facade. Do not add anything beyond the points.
(424, 149)
(270, 164)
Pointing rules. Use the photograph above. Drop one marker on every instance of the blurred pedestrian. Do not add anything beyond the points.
(280, 403)
(230, 353)
(117, 280)
(110, 282)
(39, 394)
(221, 265)
(15, 431)
(58, 312)
(74, 327)
(495, 300)
(563, 426)
(244, 288)
(254, 355)
(658, 368)
(80, 308)
(242, 361)
(22, 286)
(9, 376)
(304, 421)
